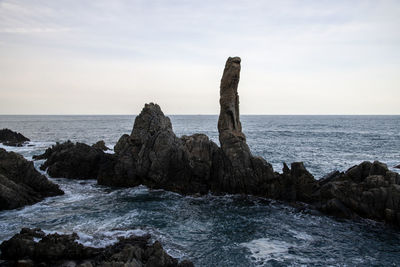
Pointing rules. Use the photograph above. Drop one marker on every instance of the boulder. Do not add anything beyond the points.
(34, 247)
(100, 145)
(11, 138)
(73, 160)
(20, 183)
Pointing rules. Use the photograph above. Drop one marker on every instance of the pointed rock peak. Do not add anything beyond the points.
(151, 120)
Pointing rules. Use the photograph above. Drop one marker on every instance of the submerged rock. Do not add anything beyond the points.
(34, 248)
(11, 138)
(20, 183)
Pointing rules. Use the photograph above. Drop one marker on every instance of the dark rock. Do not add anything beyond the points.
(74, 161)
(20, 183)
(397, 167)
(100, 145)
(366, 190)
(32, 248)
(10, 138)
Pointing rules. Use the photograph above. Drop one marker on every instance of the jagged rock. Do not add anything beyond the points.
(11, 138)
(100, 145)
(20, 183)
(397, 166)
(154, 156)
(366, 190)
(74, 161)
(33, 247)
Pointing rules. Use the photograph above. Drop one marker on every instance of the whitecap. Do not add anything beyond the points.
(264, 249)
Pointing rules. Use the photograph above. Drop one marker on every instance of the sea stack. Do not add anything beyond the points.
(231, 137)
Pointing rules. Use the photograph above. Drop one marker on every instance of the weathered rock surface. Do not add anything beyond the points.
(11, 138)
(154, 156)
(366, 190)
(100, 145)
(20, 183)
(74, 161)
(32, 247)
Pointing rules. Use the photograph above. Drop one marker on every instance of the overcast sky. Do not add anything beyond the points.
(111, 57)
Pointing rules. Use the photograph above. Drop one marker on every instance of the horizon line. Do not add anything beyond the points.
(196, 114)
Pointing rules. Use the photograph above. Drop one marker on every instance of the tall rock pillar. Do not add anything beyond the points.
(233, 141)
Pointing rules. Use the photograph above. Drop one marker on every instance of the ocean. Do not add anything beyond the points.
(229, 230)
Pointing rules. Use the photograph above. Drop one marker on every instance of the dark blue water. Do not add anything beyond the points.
(225, 230)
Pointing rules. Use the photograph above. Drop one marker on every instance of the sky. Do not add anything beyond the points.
(113, 56)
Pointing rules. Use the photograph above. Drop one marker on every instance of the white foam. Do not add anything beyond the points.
(301, 235)
(264, 249)
(106, 238)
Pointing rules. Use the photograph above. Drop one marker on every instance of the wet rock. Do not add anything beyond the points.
(366, 190)
(74, 161)
(11, 138)
(20, 183)
(31, 247)
(100, 145)
(397, 166)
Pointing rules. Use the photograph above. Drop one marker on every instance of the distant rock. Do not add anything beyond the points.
(11, 138)
(397, 167)
(20, 183)
(100, 145)
(74, 161)
(32, 247)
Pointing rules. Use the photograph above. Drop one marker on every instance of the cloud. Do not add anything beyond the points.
(168, 47)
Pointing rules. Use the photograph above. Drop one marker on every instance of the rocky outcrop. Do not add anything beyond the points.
(100, 145)
(20, 183)
(74, 161)
(154, 156)
(32, 247)
(10, 138)
(366, 190)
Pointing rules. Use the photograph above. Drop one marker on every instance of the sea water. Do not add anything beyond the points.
(229, 230)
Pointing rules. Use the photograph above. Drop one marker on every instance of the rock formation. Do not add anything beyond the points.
(366, 190)
(32, 247)
(74, 161)
(20, 183)
(10, 138)
(154, 156)
(100, 145)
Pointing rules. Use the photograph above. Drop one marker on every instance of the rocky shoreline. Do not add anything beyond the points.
(32, 247)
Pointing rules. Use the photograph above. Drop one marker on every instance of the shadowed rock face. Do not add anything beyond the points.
(20, 183)
(10, 138)
(32, 247)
